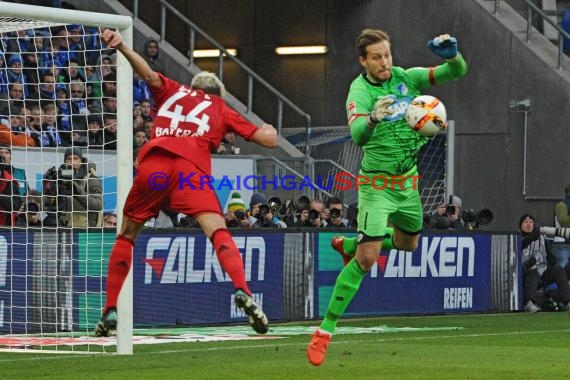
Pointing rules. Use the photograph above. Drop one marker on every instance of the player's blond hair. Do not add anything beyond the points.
(209, 83)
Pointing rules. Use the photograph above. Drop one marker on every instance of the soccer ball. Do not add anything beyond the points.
(426, 115)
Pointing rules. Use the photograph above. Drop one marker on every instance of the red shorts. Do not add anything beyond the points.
(169, 182)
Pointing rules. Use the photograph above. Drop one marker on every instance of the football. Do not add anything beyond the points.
(426, 115)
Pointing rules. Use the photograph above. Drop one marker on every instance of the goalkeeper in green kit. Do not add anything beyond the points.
(376, 108)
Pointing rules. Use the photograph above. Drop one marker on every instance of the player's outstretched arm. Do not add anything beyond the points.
(114, 40)
(444, 46)
(266, 136)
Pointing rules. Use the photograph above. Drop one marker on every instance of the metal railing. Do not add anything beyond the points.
(533, 8)
(252, 77)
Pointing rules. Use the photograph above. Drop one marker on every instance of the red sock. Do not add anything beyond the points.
(119, 265)
(230, 258)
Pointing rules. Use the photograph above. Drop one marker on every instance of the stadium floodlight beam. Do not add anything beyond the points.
(14, 17)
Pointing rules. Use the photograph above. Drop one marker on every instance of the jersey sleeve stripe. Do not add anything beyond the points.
(431, 76)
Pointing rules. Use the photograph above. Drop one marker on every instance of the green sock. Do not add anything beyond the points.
(346, 286)
(349, 244)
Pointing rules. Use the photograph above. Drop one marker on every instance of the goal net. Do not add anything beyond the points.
(66, 144)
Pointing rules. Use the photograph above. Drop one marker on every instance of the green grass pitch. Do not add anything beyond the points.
(478, 346)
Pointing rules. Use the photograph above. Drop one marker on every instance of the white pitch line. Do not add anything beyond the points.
(280, 343)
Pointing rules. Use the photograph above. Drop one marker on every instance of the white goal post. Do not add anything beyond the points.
(17, 17)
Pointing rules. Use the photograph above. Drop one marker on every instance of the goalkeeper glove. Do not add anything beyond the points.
(444, 45)
(380, 110)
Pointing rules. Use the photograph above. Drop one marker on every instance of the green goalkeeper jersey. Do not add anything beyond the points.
(392, 147)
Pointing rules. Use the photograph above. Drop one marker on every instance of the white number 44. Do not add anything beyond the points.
(175, 115)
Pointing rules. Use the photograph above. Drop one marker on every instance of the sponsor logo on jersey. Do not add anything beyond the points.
(400, 107)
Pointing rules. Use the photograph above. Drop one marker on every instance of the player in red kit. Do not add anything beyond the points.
(189, 124)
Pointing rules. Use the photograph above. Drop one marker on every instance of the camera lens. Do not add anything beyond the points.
(335, 213)
(313, 214)
(33, 207)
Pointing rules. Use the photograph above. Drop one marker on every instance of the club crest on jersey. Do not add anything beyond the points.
(402, 89)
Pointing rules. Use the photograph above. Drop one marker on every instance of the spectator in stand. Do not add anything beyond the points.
(63, 109)
(227, 144)
(561, 247)
(140, 89)
(15, 100)
(110, 131)
(138, 122)
(3, 76)
(18, 174)
(50, 136)
(95, 132)
(92, 76)
(110, 105)
(151, 54)
(72, 72)
(15, 73)
(148, 125)
(76, 43)
(60, 46)
(139, 138)
(110, 85)
(146, 109)
(110, 220)
(30, 70)
(106, 66)
(47, 86)
(34, 119)
(540, 270)
(79, 112)
(13, 132)
(39, 47)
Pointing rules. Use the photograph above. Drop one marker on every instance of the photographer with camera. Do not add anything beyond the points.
(31, 213)
(561, 247)
(263, 212)
(336, 211)
(74, 193)
(540, 270)
(18, 174)
(447, 216)
(236, 215)
(10, 200)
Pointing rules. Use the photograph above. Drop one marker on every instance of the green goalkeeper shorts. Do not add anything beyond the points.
(393, 199)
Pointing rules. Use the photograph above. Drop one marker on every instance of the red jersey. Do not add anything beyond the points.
(190, 123)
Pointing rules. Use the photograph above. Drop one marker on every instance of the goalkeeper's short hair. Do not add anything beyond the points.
(209, 83)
